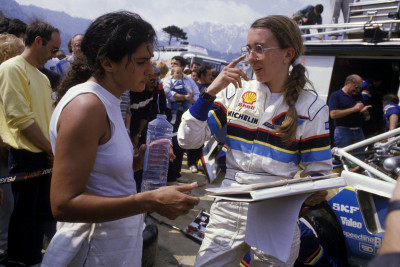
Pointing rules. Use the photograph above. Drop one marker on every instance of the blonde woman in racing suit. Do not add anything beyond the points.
(274, 125)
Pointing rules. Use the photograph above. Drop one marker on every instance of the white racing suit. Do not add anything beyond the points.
(254, 147)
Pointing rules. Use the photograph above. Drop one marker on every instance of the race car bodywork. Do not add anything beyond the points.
(358, 211)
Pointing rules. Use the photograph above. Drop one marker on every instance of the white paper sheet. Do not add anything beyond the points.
(262, 191)
(271, 224)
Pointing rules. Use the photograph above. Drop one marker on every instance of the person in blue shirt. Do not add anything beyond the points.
(391, 111)
(348, 113)
(371, 91)
(368, 86)
(64, 65)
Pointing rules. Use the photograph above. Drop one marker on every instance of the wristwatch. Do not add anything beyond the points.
(139, 135)
(393, 205)
(206, 96)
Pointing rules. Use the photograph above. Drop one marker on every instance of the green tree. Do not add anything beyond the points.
(176, 32)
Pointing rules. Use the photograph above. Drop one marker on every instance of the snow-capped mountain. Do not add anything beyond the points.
(67, 24)
(221, 41)
(218, 37)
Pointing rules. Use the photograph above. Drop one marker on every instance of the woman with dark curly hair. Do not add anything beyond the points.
(93, 191)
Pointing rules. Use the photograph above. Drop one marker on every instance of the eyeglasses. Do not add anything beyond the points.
(258, 51)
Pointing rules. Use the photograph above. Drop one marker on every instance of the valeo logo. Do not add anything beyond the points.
(249, 97)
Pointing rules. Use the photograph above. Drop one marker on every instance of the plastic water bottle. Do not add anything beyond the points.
(155, 167)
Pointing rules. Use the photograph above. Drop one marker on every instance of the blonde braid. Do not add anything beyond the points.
(295, 84)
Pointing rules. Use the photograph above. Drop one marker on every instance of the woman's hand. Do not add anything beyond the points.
(174, 201)
(228, 75)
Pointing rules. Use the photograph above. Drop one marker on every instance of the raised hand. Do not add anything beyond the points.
(228, 75)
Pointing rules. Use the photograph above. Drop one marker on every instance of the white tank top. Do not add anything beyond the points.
(112, 173)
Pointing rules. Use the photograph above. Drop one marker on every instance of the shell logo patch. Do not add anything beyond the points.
(249, 97)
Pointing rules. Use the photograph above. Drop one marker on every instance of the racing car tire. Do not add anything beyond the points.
(327, 227)
(150, 243)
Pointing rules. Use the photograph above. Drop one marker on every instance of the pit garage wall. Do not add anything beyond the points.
(320, 73)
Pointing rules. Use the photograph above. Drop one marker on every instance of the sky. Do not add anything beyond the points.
(162, 13)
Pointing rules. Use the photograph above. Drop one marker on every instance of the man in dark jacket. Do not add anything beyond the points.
(309, 15)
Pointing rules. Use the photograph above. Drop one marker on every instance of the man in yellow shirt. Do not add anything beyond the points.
(26, 107)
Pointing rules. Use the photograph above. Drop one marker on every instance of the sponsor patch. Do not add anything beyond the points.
(327, 125)
(248, 99)
(376, 241)
(345, 208)
(367, 248)
(269, 125)
(350, 223)
(238, 116)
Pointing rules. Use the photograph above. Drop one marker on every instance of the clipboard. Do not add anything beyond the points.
(276, 189)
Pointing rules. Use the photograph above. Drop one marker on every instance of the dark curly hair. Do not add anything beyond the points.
(112, 35)
(79, 73)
